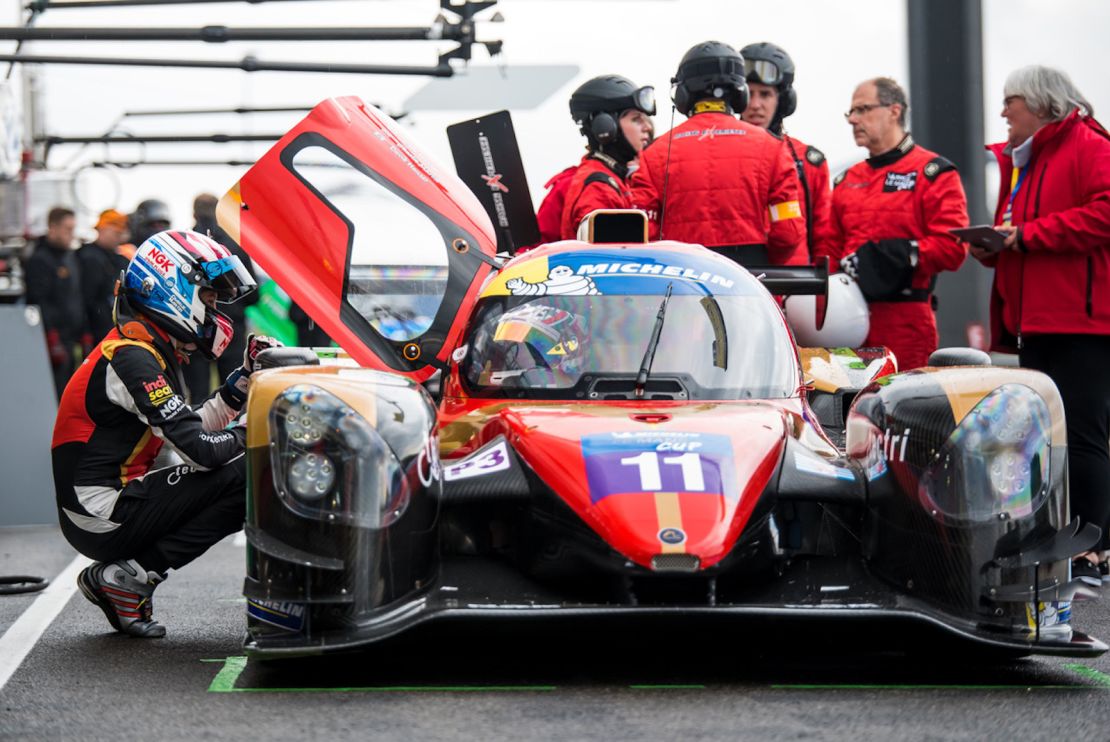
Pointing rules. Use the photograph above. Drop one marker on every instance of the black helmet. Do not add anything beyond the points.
(711, 69)
(596, 106)
(151, 217)
(769, 64)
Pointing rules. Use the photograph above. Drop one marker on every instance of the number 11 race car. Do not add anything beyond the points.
(622, 430)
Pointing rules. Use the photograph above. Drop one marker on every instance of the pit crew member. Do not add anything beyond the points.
(769, 71)
(890, 222)
(718, 181)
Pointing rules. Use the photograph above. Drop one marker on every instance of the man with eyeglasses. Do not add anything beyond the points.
(890, 222)
(717, 181)
(770, 74)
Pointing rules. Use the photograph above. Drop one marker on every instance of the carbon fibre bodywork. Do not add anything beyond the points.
(743, 481)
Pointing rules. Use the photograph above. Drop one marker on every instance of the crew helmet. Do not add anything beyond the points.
(769, 64)
(847, 320)
(596, 106)
(164, 281)
(711, 69)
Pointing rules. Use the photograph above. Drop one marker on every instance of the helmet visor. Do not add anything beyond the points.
(229, 278)
(762, 71)
(644, 100)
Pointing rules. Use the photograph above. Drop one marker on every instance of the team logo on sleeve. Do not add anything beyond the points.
(158, 391)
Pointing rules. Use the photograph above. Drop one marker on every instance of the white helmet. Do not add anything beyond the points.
(847, 320)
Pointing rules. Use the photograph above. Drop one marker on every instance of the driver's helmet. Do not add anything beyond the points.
(164, 282)
(538, 345)
(847, 318)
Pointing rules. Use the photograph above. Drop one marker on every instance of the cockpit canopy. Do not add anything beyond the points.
(577, 325)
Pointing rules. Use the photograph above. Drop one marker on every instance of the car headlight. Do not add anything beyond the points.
(996, 461)
(330, 463)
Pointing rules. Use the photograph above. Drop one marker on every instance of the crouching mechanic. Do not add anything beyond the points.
(125, 403)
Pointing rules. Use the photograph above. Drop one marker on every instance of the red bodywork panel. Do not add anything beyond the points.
(303, 242)
(602, 458)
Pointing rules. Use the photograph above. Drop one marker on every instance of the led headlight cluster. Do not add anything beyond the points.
(996, 462)
(330, 463)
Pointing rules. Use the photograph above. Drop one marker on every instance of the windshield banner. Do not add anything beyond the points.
(627, 272)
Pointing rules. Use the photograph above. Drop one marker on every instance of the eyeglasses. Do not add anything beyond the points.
(860, 110)
(1010, 99)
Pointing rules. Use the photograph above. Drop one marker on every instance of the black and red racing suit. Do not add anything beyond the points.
(121, 406)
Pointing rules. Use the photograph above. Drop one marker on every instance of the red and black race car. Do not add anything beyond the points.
(621, 430)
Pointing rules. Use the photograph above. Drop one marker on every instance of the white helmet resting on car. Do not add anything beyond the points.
(847, 320)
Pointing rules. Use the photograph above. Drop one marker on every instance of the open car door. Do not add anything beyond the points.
(381, 246)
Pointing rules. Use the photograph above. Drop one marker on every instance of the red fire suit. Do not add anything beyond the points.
(894, 212)
(816, 200)
(728, 185)
(594, 186)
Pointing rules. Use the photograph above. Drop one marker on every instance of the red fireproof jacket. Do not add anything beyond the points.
(816, 171)
(1060, 283)
(594, 186)
(908, 193)
(729, 183)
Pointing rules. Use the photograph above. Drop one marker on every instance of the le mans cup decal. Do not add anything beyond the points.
(666, 461)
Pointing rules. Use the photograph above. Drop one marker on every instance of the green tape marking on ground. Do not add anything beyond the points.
(224, 682)
(669, 686)
(225, 679)
(1091, 673)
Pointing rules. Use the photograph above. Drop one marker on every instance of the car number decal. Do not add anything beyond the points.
(665, 461)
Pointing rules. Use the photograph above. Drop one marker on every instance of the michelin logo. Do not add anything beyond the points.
(561, 280)
(654, 269)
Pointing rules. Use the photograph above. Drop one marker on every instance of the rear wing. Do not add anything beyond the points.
(791, 280)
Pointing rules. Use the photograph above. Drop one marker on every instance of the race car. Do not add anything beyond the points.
(621, 429)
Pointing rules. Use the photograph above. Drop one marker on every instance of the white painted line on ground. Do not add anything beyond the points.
(21, 637)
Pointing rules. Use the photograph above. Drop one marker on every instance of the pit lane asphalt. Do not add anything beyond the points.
(83, 681)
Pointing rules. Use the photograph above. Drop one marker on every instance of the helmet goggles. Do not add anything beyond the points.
(763, 71)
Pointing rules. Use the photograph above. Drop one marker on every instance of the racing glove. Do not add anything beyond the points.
(883, 269)
(235, 387)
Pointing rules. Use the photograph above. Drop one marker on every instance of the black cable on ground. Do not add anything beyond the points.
(19, 584)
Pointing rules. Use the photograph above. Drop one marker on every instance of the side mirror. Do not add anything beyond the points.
(280, 357)
(959, 357)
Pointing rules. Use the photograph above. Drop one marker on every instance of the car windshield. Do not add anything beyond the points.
(593, 346)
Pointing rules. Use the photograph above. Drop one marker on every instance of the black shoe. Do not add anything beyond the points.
(1104, 570)
(124, 591)
(1086, 570)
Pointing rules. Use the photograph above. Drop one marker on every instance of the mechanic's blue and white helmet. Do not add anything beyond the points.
(164, 282)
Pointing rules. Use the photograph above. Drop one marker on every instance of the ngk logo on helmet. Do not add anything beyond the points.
(159, 261)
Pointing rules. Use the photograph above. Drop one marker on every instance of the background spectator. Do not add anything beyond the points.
(54, 285)
(101, 264)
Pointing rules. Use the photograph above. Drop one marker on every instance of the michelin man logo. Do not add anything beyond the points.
(560, 280)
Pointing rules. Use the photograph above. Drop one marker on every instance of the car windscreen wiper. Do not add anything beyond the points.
(653, 343)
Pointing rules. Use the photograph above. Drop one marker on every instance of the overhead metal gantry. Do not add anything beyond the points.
(461, 29)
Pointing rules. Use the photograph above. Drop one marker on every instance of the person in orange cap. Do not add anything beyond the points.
(101, 263)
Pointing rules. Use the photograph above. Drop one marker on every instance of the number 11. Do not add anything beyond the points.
(651, 478)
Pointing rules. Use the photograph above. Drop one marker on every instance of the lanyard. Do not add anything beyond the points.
(1016, 179)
